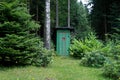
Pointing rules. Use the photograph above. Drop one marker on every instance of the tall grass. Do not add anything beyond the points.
(62, 68)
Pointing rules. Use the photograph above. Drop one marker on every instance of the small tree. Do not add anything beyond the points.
(18, 42)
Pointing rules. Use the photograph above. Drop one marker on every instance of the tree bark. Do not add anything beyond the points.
(28, 5)
(37, 12)
(68, 13)
(57, 14)
(47, 25)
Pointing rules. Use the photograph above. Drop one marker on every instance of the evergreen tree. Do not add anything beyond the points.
(114, 20)
(37, 10)
(79, 19)
(102, 16)
(18, 42)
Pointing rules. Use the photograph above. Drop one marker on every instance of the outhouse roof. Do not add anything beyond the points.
(65, 28)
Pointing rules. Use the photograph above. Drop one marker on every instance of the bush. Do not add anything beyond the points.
(108, 47)
(80, 47)
(92, 51)
(112, 70)
(94, 59)
(112, 67)
(76, 49)
(43, 58)
(18, 42)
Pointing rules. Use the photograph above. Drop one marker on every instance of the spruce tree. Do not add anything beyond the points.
(19, 43)
(79, 19)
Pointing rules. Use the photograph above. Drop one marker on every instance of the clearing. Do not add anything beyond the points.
(62, 68)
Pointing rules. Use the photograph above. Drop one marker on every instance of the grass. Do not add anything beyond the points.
(62, 68)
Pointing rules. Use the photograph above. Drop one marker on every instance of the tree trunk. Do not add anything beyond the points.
(68, 13)
(47, 25)
(28, 5)
(37, 12)
(57, 19)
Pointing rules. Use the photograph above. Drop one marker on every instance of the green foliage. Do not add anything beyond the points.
(112, 67)
(116, 30)
(18, 42)
(80, 20)
(104, 18)
(114, 15)
(94, 59)
(76, 49)
(112, 70)
(108, 47)
(78, 17)
(108, 56)
(80, 47)
(62, 68)
(42, 59)
(92, 51)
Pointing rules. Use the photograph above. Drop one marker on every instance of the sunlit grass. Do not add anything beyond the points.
(62, 68)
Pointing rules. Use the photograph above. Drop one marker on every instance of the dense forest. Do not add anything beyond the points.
(103, 20)
(28, 36)
(105, 17)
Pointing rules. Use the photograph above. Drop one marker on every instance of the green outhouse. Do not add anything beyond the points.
(63, 40)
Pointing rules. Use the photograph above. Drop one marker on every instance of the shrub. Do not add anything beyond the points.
(94, 59)
(108, 47)
(80, 47)
(18, 42)
(112, 67)
(76, 49)
(92, 51)
(43, 58)
(112, 70)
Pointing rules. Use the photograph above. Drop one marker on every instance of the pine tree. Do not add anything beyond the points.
(102, 16)
(18, 42)
(79, 19)
(114, 20)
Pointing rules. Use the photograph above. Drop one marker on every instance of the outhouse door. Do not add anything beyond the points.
(63, 42)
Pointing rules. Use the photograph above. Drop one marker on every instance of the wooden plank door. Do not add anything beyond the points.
(63, 42)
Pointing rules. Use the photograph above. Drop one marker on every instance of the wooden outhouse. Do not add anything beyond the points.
(63, 40)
